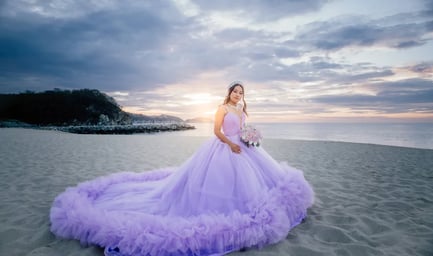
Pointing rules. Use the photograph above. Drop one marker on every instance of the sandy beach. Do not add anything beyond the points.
(370, 199)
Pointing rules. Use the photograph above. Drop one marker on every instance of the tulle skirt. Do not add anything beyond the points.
(214, 203)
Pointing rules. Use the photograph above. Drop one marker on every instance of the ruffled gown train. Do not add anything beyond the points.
(214, 203)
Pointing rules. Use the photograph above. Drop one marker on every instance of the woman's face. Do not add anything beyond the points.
(237, 94)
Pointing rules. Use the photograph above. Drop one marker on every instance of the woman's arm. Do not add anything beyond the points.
(219, 117)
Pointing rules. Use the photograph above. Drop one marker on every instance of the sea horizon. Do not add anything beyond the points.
(401, 134)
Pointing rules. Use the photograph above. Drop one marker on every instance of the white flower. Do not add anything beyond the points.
(251, 136)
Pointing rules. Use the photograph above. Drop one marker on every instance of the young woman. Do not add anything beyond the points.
(226, 197)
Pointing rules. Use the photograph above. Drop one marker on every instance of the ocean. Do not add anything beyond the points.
(412, 135)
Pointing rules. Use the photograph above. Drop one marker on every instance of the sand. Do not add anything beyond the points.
(370, 199)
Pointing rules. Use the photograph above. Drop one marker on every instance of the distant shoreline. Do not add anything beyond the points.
(106, 129)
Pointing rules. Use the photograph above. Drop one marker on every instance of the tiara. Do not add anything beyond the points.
(235, 83)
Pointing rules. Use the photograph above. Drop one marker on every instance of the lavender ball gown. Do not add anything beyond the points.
(214, 203)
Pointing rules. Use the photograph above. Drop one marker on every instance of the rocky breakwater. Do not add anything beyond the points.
(124, 129)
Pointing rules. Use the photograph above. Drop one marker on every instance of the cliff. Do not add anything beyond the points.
(62, 107)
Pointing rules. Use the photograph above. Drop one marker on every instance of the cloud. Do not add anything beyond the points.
(106, 49)
(135, 48)
(391, 97)
(236, 35)
(137, 45)
(326, 70)
(118, 46)
(339, 33)
(361, 77)
(261, 10)
(286, 52)
(411, 85)
(423, 68)
(428, 8)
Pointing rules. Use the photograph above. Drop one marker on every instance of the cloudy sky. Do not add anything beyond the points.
(301, 60)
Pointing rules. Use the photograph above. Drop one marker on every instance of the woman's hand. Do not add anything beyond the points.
(235, 148)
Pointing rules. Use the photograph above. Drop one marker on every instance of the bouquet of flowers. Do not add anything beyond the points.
(251, 136)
